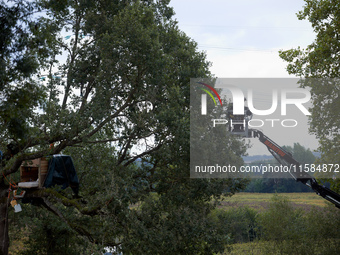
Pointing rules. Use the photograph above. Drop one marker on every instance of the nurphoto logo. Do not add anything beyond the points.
(238, 100)
(245, 108)
(278, 97)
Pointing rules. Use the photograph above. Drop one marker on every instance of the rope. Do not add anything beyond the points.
(10, 183)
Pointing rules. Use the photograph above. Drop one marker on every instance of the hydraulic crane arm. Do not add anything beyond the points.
(238, 125)
(286, 158)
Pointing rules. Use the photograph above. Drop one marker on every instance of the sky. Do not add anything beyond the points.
(241, 40)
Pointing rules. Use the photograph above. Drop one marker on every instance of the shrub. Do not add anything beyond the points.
(293, 231)
(237, 224)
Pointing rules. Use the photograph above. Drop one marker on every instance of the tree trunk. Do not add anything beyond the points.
(4, 239)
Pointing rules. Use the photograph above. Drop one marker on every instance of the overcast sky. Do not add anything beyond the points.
(242, 38)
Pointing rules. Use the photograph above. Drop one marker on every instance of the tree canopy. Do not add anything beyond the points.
(107, 82)
(319, 65)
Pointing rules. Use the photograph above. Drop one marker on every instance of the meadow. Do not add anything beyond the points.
(261, 201)
(279, 223)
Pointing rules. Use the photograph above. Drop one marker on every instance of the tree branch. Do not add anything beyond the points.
(19, 158)
(103, 141)
(49, 206)
(73, 58)
(104, 122)
(128, 143)
(133, 159)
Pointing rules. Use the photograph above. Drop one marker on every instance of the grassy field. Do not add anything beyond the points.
(254, 248)
(260, 201)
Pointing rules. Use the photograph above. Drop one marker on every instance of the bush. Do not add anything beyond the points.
(293, 231)
(237, 224)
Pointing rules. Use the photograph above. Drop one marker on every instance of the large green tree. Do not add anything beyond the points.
(319, 64)
(108, 81)
(21, 54)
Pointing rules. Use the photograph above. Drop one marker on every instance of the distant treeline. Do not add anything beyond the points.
(276, 185)
(286, 185)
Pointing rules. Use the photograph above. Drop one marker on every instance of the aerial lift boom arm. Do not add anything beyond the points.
(238, 125)
(286, 158)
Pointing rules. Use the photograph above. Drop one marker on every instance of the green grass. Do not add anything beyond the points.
(260, 201)
(254, 248)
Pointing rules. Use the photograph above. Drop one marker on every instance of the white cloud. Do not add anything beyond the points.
(242, 39)
(247, 64)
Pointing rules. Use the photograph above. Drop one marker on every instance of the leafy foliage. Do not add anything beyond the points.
(113, 91)
(282, 228)
(238, 225)
(291, 230)
(320, 63)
